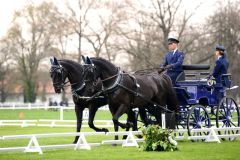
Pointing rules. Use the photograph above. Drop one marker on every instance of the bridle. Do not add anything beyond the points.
(58, 69)
(61, 83)
(85, 72)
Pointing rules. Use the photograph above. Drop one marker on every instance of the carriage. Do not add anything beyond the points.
(203, 102)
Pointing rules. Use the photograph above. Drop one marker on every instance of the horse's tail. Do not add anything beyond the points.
(172, 101)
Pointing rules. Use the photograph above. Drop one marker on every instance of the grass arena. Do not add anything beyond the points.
(187, 150)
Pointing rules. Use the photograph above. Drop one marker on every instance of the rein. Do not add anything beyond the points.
(112, 88)
(109, 78)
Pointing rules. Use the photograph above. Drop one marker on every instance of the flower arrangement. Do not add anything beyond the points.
(158, 139)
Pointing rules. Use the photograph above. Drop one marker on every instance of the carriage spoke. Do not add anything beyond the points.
(233, 124)
(193, 118)
(231, 104)
(222, 113)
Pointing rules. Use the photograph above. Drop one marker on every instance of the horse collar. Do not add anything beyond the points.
(115, 84)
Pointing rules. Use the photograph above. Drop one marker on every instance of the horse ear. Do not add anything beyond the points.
(51, 61)
(84, 59)
(55, 61)
(89, 61)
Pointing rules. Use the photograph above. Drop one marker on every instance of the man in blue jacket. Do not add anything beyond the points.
(221, 64)
(173, 60)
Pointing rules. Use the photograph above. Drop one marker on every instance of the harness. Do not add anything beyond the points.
(61, 84)
(117, 84)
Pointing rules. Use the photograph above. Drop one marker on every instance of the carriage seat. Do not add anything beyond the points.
(182, 76)
(196, 67)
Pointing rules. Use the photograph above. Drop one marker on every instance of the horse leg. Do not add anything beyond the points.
(79, 113)
(113, 111)
(92, 112)
(143, 116)
(121, 110)
(131, 119)
(161, 100)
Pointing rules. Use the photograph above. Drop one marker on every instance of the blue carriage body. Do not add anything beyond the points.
(197, 90)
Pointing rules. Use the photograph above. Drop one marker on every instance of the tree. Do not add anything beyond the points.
(31, 37)
(153, 24)
(78, 18)
(4, 71)
(102, 32)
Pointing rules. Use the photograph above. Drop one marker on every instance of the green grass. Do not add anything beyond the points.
(46, 114)
(187, 150)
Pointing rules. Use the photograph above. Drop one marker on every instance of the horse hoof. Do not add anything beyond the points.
(105, 130)
(124, 137)
(74, 142)
(129, 124)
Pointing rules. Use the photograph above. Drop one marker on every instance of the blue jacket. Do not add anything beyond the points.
(175, 60)
(220, 68)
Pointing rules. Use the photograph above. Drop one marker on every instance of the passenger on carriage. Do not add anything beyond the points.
(173, 60)
(221, 64)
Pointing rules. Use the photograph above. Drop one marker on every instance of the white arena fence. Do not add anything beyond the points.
(20, 105)
(82, 143)
(30, 106)
(131, 140)
(55, 123)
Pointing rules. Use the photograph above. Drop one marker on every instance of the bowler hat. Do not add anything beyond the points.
(220, 48)
(173, 40)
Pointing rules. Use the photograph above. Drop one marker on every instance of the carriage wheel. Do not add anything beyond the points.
(198, 118)
(227, 116)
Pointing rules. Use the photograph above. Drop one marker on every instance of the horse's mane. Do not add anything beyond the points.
(72, 63)
(104, 62)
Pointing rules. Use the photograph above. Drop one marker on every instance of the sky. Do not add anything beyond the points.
(8, 7)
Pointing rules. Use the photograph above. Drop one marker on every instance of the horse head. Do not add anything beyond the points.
(76, 74)
(58, 75)
(102, 69)
(91, 75)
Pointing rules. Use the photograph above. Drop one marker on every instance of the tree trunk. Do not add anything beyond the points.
(29, 92)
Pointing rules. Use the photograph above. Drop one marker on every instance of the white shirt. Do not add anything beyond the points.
(219, 57)
(175, 50)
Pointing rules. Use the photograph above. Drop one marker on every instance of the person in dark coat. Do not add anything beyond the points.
(221, 64)
(173, 60)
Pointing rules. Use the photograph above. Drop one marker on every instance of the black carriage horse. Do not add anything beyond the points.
(62, 69)
(154, 91)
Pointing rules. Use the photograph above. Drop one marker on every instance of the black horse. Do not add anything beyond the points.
(63, 69)
(125, 91)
